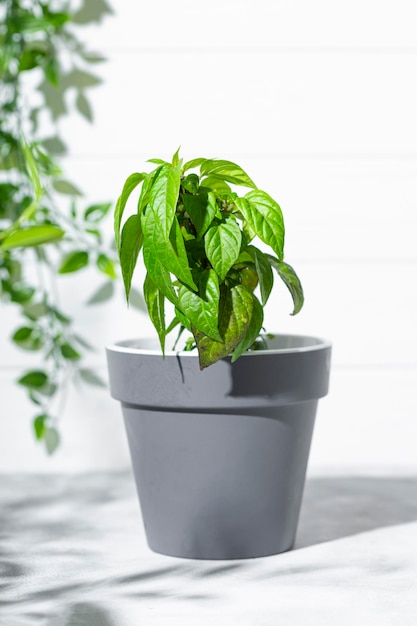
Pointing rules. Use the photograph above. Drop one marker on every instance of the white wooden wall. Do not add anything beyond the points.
(318, 102)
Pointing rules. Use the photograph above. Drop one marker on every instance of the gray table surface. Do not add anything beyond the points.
(73, 553)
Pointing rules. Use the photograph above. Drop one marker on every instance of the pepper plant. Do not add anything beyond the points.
(198, 239)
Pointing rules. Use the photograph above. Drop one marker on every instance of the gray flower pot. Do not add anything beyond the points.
(220, 455)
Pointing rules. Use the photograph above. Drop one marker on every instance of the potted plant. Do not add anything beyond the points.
(220, 428)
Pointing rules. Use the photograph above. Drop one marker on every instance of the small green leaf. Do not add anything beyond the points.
(130, 245)
(34, 379)
(222, 243)
(36, 310)
(189, 165)
(28, 338)
(202, 310)
(54, 145)
(162, 202)
(215, 184)
(264, 272)
(201, 208)
(176, 161)
(84, 106)
(252, 331)
(265, 218)
(131, 183)
(96, 212)
(79, 79)
(228, 171)
(290, 278)
(191, 183)
(66, 188)
(73, 262)
(155, 303)
(69, 353)
(32, 236)
(106, 266)
(51, 439)
(90, 377)
(22, 294)
(39, 425)
(158, 273)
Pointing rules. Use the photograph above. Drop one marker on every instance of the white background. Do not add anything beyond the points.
(317, 101)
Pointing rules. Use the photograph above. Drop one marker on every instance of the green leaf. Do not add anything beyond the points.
(216, 184)
(32, 236)
(131, 183)
(202, 310)
(201, 208)
(191, 183)
(39, 425)
(84, 106)
(73, 262)
(290, 278)
(264, 272)
(222, 243)
(91, 12)
(162, 202)
(36, 310)
(252, 331)
(22, 294)
(90, 377)
(158, 273)
(96, 212)
(32, 169)
(103, 293)
(80, 79)
(34, 379)
(69, 353)
(66, 188)
(156, 308)
(228, 171)
(28, 338)
(106, 265)
(189, 165)
(54, 145)
(265, 218)
(176, 161)
(130, 245)
(235, 313)
(51, 439)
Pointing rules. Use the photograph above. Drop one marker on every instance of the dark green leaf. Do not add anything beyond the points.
(103, 293)
(155, 303)
(22, 294)
(106, 265)
(65, 187)
(73, 262)
(202, 310)
(264, 272)
(290, 278)
(84, 106)
(131, 243)
(131, 183)
(90, 377)
(201, 208)
(264, 217)
(69, 353)
(32, 236)
(226, 170)
(39, 425)
(222, 243)
(28, 338)
(34, 379)
(252, 331)
(191, 183)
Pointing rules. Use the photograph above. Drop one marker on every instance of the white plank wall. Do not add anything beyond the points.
(317, 101)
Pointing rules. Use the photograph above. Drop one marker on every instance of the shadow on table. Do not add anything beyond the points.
(337, 507)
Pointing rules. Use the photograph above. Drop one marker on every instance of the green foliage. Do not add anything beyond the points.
(197, 238)
(43, 232)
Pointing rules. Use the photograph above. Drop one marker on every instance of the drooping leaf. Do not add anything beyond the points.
(28, 338)
(130, 245)
(84, 106)
(69, 352)
(51, 439)
(202, 310)
(106, 265)
(79, 79)
(39, 425)
(36, 310)
(265, 218)
(235, 313)
(32, 236)
(96, 212)
(222, 243)
(131, 183)
(155, 302)
(291, 280)
(201, 208)
(74, 261)
(228, 171)
(67, 188)
(103, 293)
(252, 331)
(33, 379)
(91, 12)
(158, 273)
(162, 202)
(264, 272)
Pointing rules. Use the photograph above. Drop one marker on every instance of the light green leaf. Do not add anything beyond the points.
(264, 272)
(202, 310)
(201, 208)
(32, 236)
(51, 439)
(162, 202)
(103, 293)
(189, 165)
(131, 183)
(106, 265)
(216, 184)
(155, 302)
(222, 243)
(235, 313)
(290, 278)
(69, 353)
(265, 218)
(36, 310)
(39, 425)
(73, 262)
(158, 273)
(252, 331)
(131, 243)
(96, 212)
(28, 338)
(176, 161)
(84, 106)
(228, 171)
(90, 377)
(67, 188)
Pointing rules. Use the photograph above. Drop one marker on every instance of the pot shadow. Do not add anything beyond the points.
(337, 507)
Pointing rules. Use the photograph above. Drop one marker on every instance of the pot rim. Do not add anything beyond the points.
(310, 344)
